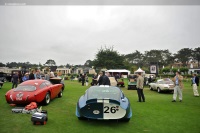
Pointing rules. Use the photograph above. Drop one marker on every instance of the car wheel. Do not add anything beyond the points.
(63, 87)
(47, 99)
(60, 93)
(159, 90)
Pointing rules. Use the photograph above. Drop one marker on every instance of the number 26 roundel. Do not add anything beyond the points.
(113, 111)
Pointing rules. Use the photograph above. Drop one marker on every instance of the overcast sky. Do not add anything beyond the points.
(74, 34)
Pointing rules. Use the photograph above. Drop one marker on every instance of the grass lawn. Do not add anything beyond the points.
(157, 115)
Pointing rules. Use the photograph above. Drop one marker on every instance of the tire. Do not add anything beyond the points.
(63, 87)
(60, 93)
(159, 90)
(129, 87)
(47, 99)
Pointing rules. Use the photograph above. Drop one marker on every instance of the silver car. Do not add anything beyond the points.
(162, 85)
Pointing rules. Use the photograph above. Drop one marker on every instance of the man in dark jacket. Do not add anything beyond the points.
(31, 75)
(83, 79)
(106, 80)
(195, 83)
(15, 80)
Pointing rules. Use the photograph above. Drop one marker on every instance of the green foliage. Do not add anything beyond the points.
(109, 58)
(162, 57)
(145, 69)
(135, 58)
(2, 65)
(184, 69)
(89, 63)
(196, 55)
(174, 70)
(50, 62)
(166, 70)
(184, 55)
(133, 68)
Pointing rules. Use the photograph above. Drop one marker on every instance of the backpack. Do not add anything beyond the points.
(32, 105)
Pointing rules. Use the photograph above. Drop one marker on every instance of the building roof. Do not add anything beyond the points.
(118, 70)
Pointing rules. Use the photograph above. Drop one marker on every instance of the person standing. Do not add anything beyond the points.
(100, 78)
(15, 80)
(195, 83)
(178, 87)
(26, 77)
(140, 86)
(83, 79)
(38, 75)
(94, 79)
(86, 80)
(105, 79)
(31, 75)
(52, 74)
(20, 76)
(47, 76)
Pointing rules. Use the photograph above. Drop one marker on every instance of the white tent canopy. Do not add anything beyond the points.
(139, 70)
(122, 71)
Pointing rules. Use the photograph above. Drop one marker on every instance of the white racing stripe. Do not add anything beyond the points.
(110, 110)
(113, 111)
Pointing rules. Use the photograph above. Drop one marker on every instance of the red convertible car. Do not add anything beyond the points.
(39, 91)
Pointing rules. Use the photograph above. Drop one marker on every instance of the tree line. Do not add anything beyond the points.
(109, 58)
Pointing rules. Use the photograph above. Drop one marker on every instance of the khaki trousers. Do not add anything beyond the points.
(177, 90)
(195, 90)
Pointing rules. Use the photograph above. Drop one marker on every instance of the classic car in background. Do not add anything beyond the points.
(162, 85)
(103, 103)
(3, 77)
(40, 91)
(120, 82)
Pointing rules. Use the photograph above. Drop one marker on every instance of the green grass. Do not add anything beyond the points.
(157, 115)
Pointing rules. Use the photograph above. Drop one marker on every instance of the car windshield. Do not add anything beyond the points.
(165, 82)
(25, 88)
(97, 92)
